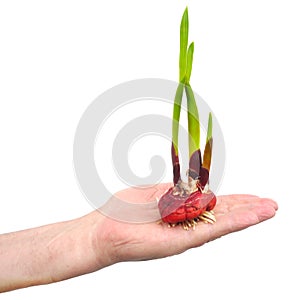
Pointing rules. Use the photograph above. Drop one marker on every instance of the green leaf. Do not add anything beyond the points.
(184, 34)
(190, 54)
(209, 128)
(176, 116)
(193, 121)
(208, 146)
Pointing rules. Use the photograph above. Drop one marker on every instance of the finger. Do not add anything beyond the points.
(251, 211)
(226, 203)
(264, 209)
(271, 202)
(238, 196)
(242, 217)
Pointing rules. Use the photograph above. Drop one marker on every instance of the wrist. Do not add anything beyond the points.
(76, 249)
(103, 239)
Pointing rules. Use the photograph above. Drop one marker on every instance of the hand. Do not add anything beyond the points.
(152, 240)
(67, 249)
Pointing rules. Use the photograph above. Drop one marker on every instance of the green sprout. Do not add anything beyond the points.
(185, 70)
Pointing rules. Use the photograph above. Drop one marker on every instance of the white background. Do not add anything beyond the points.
(58, 56)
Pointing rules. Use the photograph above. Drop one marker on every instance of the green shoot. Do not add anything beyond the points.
(185, 70)
(209, 128)
(190, 54)
(176, 116)
(184, 34)
(208, 146)
(193, 121)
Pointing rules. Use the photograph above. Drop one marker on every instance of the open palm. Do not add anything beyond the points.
(152, 240)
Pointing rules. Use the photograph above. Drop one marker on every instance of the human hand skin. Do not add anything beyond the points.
(64, 250)
(151, 240)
